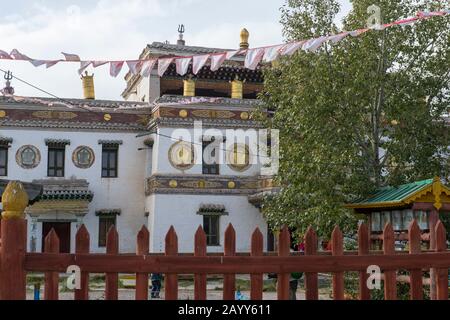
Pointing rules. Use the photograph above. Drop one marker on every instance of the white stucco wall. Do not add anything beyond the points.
(180, 211)
(125, 192)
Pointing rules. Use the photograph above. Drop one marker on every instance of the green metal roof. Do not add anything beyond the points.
(395, 194)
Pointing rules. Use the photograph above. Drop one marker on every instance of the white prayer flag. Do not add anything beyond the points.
(163, 64)
(18, 56)
(71, 57)
(231, 54)
(358, 32)
(134, 66)
(182, 65)
(37, 63)
(338, 37)
(290, 48)
(217, 60)
(147, 67)
(272, 53)
(51, 63)
(314, 44)
(83, 66)
(96, 64)
(115, 68)
(198, 62)
(4, 55)
(253, 58)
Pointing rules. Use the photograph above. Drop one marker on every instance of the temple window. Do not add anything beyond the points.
(104, 224)
(56, 161)
(110, 157)
(56, 157)
(106, 219)
(211, 222)
(211, 227)
(210, 164)
(3, 161)
(109, 162)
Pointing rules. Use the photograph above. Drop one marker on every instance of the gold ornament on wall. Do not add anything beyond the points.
(238, 157)
(245, 116)
(107, 117)
(173, 183)
(181, 155)
(183, 113)
(2, 113)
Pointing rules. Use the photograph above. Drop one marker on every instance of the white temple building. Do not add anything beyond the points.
(139, 161)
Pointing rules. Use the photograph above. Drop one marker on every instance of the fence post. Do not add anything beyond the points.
(112, 278)
(337, 249)
(311, 278)
(363, 249)
(284, 243)
(171, 280)
(256, 279)
(13, 246)
(142, 249)
(51, 289)
(416, 283)
(229, 280)
(390, 276)
(441, 273)
(82, 240)
(200, 251)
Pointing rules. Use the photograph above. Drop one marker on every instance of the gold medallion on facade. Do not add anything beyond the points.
(2, 113)
(183, 113)
(173, 183)
(244, 116)
(107, 117)
(201, 184)
(231, 185)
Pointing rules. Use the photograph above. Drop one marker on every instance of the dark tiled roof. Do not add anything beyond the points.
(5, 141)
(108, 212)
(65, 189)
(208, 101)
(172, 48)
(211, 208)
(67, 195)
(57, 142)
(76, 102)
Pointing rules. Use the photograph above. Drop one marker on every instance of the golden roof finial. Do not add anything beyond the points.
(88, 86)
(244, 39)
(189, 87)
(15, 200)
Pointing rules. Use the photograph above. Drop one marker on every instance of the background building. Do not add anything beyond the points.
(106, 163)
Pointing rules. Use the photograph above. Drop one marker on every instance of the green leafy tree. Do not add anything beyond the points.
(357, 114)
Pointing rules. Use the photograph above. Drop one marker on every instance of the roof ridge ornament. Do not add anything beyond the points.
(8, 89)
(181, 31)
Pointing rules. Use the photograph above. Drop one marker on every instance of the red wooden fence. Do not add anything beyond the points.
(15, 263)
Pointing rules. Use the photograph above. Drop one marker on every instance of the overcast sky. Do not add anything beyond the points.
(119, 29)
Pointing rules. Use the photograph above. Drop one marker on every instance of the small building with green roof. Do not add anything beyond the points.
(421, 200)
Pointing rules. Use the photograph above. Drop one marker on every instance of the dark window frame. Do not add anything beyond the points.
(53, 153)
(108, 171)
(105, 222)
(210, 168)
(212, 238)
(4, 166)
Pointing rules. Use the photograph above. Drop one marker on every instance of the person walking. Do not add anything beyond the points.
(156, 285)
